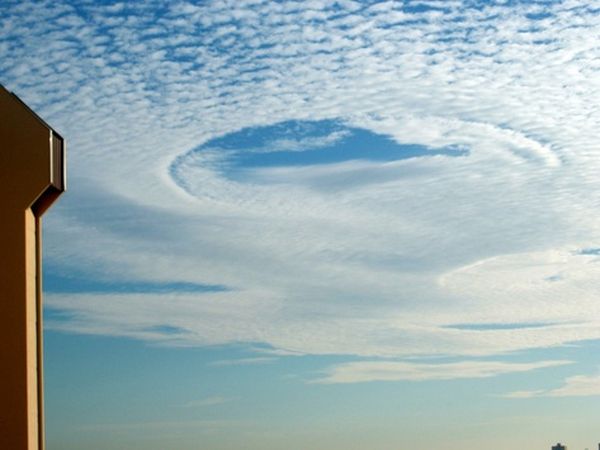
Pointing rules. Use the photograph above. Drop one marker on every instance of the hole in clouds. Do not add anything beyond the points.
(303, 143)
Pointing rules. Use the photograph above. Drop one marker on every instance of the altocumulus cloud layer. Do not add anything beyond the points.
(477, 254)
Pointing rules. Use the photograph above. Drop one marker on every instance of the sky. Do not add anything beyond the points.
(318, 224)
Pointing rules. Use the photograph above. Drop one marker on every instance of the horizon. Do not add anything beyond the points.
(318, 225)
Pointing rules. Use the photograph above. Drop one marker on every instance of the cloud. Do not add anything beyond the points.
(576, 386)
(208, 401)
(241, 361)
(367, 258)
(221, 318)
(365, 371)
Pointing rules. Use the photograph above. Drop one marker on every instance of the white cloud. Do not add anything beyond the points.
(364, 371)
(524, 394)
(365, 258)
(576, 386)
(219, 318)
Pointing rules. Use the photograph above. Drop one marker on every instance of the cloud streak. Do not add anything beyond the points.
(575, 386)
(242, 361)
(367, 371)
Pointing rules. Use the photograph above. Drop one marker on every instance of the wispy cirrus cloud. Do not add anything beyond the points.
(365, 371)
(242, 361)
(575, 386)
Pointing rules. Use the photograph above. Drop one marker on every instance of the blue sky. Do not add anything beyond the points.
(318, 224)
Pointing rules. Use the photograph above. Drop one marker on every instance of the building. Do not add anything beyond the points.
(32, 176)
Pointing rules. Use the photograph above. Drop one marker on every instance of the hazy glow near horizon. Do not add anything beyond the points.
(342, 224)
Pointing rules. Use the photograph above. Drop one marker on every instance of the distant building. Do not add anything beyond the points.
(559, 446)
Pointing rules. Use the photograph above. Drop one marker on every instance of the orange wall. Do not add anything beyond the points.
(31, 176)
